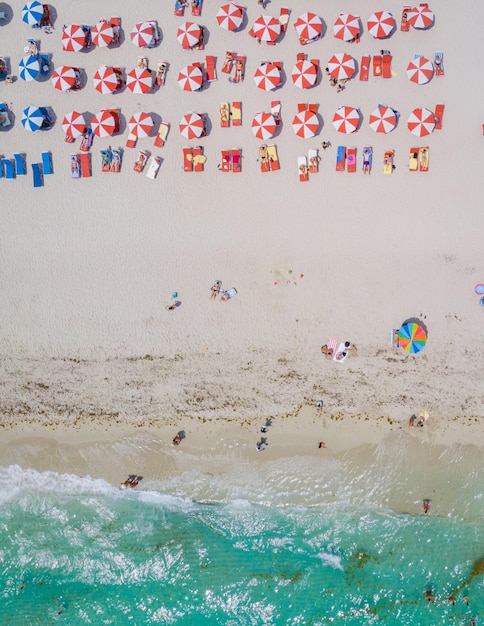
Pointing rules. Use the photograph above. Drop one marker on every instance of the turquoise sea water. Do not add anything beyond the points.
(80, 551)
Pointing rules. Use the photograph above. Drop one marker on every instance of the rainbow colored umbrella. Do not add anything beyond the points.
(412, 337)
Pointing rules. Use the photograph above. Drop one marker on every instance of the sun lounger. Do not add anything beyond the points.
(329, 347)
(377, 65)
(37, 177)
(47, 163)
(139, 164)
(439, 114)
(237, 113)
(160, 76)
(75, 163)
(3, 68)
(404, 25)
(439, 63)
(19, 164)
(284, 18)
(45, 20)
(230, 293)
(413, 160)
(229, 62)
(85, 158)
(424, 159)
(187, 160)
(236, 161)
(226, 161)
(224, 110)
(210, 69)
(116, 26)
(106, 158)
(1, 169)
(302, 165)
(9, 169)
(365, 66)
(264, 159)
(180, 7)
(273, 158)
(367, 159)
(198, 159)
(388, 162)
(314, 159)
(160, 138)
(116, 158)
(239, 69)
(196, 7)
(131, 140)
(394, 338)
(154, 167)
(4, 116)
(351, 160)
(340, 158)
(86, 141)
(300, 56)
(115, 114)
(386, 65)
(341, 354)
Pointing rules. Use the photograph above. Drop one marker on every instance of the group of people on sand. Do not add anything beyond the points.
(132, 481)
(341, 354)
(419, 421)
(260, 446)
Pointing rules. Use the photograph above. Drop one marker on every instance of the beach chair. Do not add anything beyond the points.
(237, 113)
(180, 7)
(45, 20)
(413, 160)
(210, 69)
(314, 159)
(106, 158)
(300, 56)
(187, 160)
(273, 158)
(3, 68)
(85, 159)
(423, 155)
(404, 25)
(439, 63)
(340, 158)
(284, 13)
(236, 161)
(302, 165)
(160, 138)
(230, 293)
(439, 114)
(198, 159)
(200, 45)
(139, 164)
(1, 169)
(365, 66)
(351, 160)
(226, 161)
(160, 76)
(394, 338)
(386, 71)
(329, 348)
(116, 26)
(8, 168)
(239, 69)
(115, 114)
(116, 158)
(75, 163)
(276, 111)
(388, 162)
(367, 159)
(131, 140)
(47, 163)
(224, 110)
(19, 164)
(340, 354)
(264, 159)
(377, 65)
(196, 7)
(229, 62)
(87, 139)
(38, 179)
(154, 167)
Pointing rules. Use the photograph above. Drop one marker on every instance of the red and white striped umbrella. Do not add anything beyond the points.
(139, 80)
(421, 122)
(190, 78)
(341, 66)
(346, 119)
(105, 80)
(64, 78)
(308, 26)
(264, 125)
(74, 124)
(102, 34)
(73, 38)
(142, 34)
(383, 119)
(346, 27)
(305, 124)
(304, 74)
(191, 125)
(267, 76)
(420, 17)
(103, 124)
(188, 34)
(266, 28)
(420, 70)
(230, 16)
(380, 24)
(140, 124)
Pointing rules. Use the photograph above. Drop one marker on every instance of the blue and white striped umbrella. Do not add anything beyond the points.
(32, 119)
(32, 13)
(29, 68)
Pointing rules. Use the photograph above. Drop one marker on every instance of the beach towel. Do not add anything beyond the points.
(341, 354)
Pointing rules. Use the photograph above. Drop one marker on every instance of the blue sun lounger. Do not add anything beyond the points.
(9, 169)
(37, 175)
(47, 163)
(19, 164)
(1, 169)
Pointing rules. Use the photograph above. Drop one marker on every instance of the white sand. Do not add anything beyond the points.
(88, 266)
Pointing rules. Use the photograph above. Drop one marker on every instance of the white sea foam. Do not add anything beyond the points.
(332, 560)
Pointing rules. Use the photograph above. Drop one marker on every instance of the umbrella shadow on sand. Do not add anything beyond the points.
(416, 320)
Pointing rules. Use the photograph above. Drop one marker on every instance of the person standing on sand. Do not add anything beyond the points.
(426, 505)
(411, 421)
(319, 406)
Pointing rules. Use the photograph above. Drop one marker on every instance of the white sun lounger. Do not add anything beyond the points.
(340, 351)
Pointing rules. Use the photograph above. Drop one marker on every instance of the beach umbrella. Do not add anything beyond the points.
(188, 34)
(383, 119)
(190, 78)
(140, 124)
(380, 24)
(420, 17)
(420, 70)
(102, 34)
(267, 76)
(346, 119)
(103, 124)
(32, 118)
(264, 125)
(191, 125)
(230, 16)
(346, 27)
(421, 122)
(105, 80)
(341, 66)
(308, 26)
(412, 337)
(73, 124)
(139, 80)
(305, 124)
(266, 28)
(64, 78)
(29, 68)
(304, 74)
(142, 34)
(32, 13)
(73, 38)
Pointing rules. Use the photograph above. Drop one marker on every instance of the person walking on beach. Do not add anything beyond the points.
(428, 595)
(319, 406)
(426, 505)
